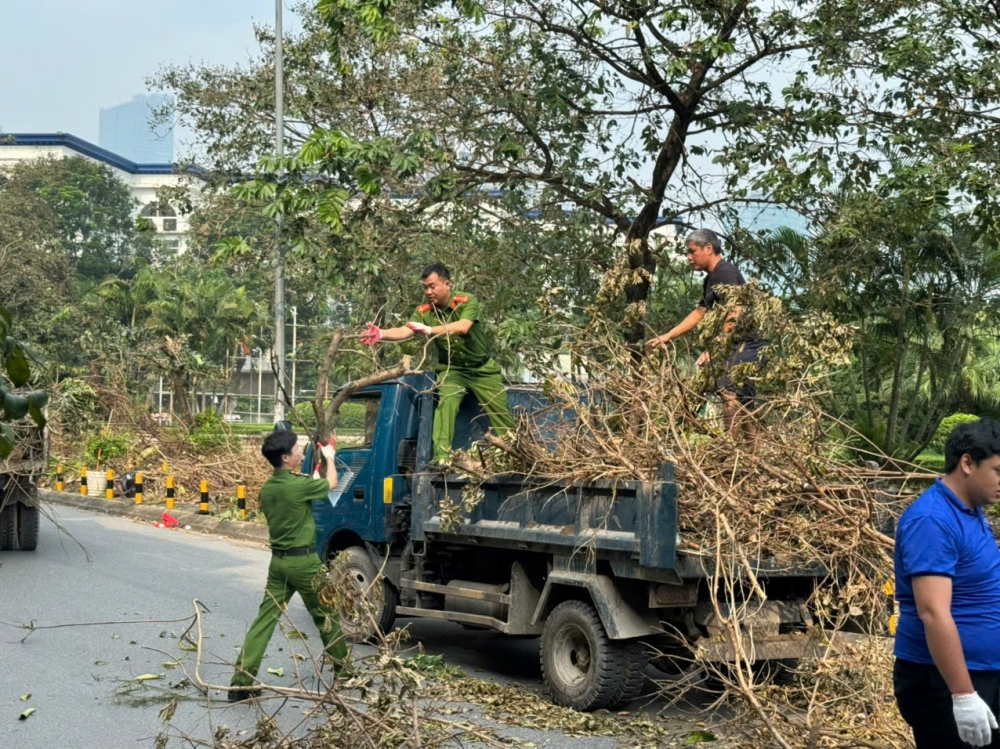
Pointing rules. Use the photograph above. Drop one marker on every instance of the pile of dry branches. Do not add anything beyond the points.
(788, 485)
(382, 702)
(159, 452)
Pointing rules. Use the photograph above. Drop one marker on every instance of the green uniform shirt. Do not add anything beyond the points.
(467, 351)
(286, 499)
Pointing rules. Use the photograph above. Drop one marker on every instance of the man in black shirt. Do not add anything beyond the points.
(704, 248)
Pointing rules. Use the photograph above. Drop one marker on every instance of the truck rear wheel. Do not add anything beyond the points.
(583, 667)
(27, 527)
(380, 597)
(8, 526)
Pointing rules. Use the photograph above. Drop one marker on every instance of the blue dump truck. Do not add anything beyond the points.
(592, 570)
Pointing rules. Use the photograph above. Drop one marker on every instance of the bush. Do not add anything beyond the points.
(75, 406)
(107, 446)
(305, 418)
(946, 427)
(352, 416)
(210, 432)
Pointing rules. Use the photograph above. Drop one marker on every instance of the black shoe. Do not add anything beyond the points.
(242, 694)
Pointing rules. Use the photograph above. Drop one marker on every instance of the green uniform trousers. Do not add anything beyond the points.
(486, 385)
(285, 577)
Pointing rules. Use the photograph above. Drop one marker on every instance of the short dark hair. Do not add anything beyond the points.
(278, 444)
(442, 272)
(702, 237)
(977, 439)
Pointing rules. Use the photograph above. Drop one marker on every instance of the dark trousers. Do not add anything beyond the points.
(924, 701)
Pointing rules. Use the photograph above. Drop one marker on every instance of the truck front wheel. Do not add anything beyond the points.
(377, 597)
(584, 668)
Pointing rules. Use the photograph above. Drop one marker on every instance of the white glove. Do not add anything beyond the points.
(973, 718)
(419, 327)
(328, 451)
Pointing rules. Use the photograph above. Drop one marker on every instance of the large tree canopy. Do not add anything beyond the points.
(537, 145)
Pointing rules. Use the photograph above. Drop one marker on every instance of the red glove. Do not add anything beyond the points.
(372, 334)
(169, 520)
(419, 327)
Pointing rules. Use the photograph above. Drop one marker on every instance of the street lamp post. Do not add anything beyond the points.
(279, 267)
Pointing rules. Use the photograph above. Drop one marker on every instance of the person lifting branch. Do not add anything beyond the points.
(451, 320)
(704, 251)
(286, 500)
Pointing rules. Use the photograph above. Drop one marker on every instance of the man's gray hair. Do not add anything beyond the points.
(702, 237)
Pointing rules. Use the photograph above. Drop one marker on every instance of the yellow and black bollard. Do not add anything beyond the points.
(83, 481)
(138, 488)
(109, 493)
(203, 507)
(241, 501)
(170, 492)
(59, 478)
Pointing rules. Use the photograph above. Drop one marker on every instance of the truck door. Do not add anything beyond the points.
(349, 507)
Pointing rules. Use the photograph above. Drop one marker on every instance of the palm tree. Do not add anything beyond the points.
(923, 287)
(193, 317)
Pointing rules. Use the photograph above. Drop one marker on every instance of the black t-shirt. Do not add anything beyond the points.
(724, 274)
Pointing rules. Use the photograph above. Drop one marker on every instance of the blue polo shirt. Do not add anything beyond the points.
(939, 535)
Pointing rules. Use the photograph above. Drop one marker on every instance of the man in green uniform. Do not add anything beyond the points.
(451, 318)
(286, 500)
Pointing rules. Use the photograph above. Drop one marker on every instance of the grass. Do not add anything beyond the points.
(248, 428)
(931, 461)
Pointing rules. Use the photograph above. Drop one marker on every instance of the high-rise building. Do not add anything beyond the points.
(126, 131)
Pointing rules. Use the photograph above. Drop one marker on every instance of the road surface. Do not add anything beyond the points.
(140, 577)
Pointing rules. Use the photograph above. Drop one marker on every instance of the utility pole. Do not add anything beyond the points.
(279, 266)
(295, 350)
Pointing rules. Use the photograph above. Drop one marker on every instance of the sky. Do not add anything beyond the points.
(65, 60)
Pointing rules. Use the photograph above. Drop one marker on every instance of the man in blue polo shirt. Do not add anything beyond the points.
(947, 672)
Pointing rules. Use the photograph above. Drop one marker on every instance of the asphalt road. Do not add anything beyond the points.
(140, 577)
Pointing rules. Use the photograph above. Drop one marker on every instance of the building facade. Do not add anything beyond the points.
(144, 180)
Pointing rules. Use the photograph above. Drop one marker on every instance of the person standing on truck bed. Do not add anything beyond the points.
(286, 500)
(704, 250)
(947, 568)
(451, 318)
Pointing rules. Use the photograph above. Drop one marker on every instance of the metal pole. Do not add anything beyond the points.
(279, 267)
(295, 349)
(260, 381)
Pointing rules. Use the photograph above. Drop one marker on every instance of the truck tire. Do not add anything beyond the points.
(634, 676)
(27, 527)
(384, 597)
(8, 526)
(583, 667)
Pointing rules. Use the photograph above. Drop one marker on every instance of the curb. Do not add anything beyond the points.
(238, 529)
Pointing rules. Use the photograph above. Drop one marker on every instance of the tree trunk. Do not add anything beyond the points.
(182, 403)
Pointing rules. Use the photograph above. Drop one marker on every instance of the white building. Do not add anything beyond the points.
(143, 180)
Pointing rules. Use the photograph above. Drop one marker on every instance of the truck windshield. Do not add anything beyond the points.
(358, 417)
